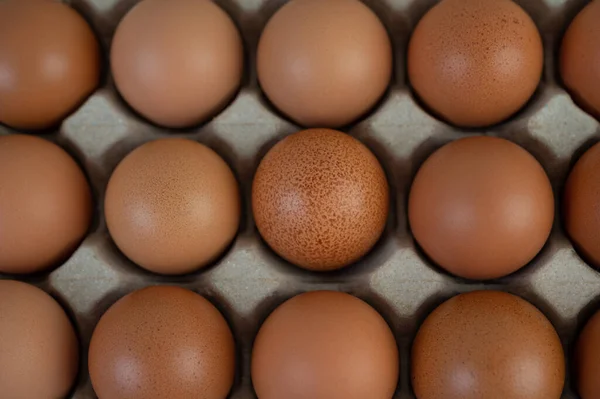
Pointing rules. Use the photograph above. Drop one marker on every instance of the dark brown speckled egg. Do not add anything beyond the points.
(162, 342)
(587, 360)
(475, 62)
(320, 199)
(487, 344)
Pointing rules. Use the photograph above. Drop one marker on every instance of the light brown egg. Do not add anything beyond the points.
(475, 62)
(49, 63)
(324, 63)
(580, 58)
(587, 360)
(39, 352)
(45, 204)
(487, 344)
(325, 345)
(172, 206)
(581, 206)
(162, 342)
(177, 62)
(481, 207)
(320, 199)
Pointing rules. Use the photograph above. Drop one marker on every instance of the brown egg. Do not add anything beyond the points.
(481, 207)
(324, 63)
(177, 62)
(162, 342)
(475, 62)
(45, 204)
(487, 344)
(325, 345)
(172, 206)
(587, 360)
(580, 58)
(581, 206)
(39, 352)
(49, 62)
(320, 199)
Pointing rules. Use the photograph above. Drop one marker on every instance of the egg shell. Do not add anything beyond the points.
(580, 58)
(49, 63)
(325, 345)
(475, 62)
(45, 204)
(581, 205)
(39, 351)
(586, 361)
(172, 206)
(324, 63)
(162, 342)
(320, 199)
(487, 344)
(177, 62)
(481, 207)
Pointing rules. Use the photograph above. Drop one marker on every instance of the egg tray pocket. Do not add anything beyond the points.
(249, 280)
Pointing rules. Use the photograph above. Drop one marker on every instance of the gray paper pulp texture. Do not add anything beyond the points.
(249, 280)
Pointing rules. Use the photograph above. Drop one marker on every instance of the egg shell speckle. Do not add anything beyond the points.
(173, 206)
(320, 199)
(475, 62)
(162, 342)
(487, 344)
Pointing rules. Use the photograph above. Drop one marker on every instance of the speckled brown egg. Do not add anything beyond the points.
(39, 352)
(45, 204)
(325, 345)
(49, 62)
(581, 205)
(580, 58)
(320, 199)
(162, 342)
(487, 344)
(177, 62)
(172, 206)
(481, 207)
(475, 62)
(324, 63)
(587, 360)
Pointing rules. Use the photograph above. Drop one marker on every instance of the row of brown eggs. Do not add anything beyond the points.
(165, 341)
(480, 207)
(322, 63)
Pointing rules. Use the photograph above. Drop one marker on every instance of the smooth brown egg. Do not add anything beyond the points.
(172, 206)
(320, 199)
(177, 62)
(162, 342)
(580, 58)
(475, 62)
(39, 352)
(587, 360)
(487, 344)
(49, 63)
(481, 207)
(325, 345)
(581, 206)
(45, 204)
(324, 63)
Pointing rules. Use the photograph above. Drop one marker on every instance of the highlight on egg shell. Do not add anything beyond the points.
(320, 199)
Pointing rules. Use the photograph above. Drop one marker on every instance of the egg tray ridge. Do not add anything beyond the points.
(249, 281)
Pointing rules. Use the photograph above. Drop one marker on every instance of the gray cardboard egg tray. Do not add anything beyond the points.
(249, 280)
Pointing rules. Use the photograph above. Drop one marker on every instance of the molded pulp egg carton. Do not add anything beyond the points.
(249, 280)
